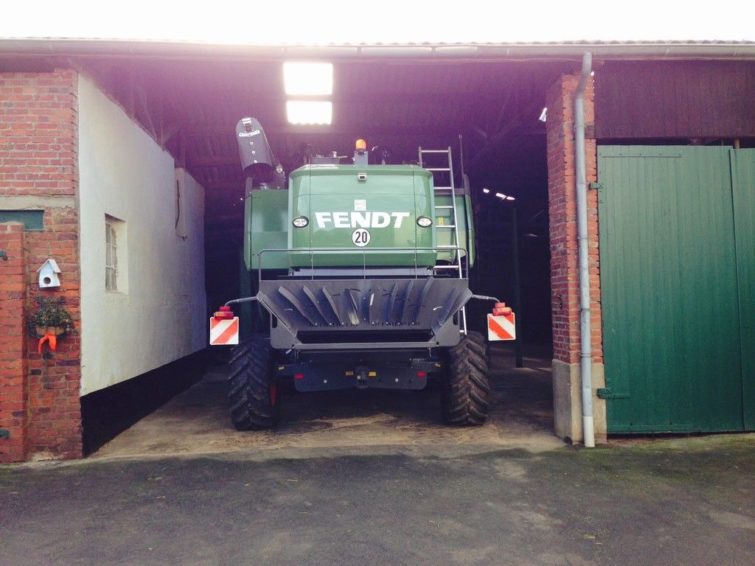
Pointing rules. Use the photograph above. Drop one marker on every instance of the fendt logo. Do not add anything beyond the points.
(360, 219)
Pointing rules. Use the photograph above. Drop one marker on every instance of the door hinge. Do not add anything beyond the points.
(607, 393)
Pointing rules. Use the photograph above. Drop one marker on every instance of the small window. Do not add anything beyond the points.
(111, 257)
(115, 253)
(181, 221)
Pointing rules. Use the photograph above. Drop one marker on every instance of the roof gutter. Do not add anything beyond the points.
(510, 51)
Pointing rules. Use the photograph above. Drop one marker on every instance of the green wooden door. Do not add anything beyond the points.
(670, 295)
(743, 177)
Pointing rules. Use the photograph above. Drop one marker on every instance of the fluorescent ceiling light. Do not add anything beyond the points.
(309, 112)
(308, 79)
(486, 191)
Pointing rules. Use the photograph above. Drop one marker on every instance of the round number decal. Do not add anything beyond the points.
(360, 237)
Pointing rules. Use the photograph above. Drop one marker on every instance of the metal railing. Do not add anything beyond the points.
(318, 253)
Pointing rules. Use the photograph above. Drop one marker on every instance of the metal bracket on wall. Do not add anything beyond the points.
(3, 255)
(4, 433)
(607, 393)
(596, 186)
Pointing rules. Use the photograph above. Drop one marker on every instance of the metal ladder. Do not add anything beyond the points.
(449, 190)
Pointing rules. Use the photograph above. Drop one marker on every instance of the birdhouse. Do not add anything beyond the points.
(48, 275)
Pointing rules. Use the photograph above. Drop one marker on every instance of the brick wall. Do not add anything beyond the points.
(13, 368)
(562, 209)
(38, 132)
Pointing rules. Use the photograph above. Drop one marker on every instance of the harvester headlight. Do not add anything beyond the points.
(424, 221)
(300, 222)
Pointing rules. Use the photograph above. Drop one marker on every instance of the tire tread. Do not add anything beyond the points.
(467, 392)
(249, 382)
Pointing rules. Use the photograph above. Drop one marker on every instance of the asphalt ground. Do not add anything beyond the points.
(683, 501)
(370, 477)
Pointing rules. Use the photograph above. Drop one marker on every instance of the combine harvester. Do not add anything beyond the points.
(361, 270)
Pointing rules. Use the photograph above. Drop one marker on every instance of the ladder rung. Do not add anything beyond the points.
(446, 267)
(433, 151)
(442, 169)
(445, 247)
(446, 226)
(444, 206)
(445, 188)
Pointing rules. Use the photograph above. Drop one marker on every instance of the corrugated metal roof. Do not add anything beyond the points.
(659, 41)
(514, 50)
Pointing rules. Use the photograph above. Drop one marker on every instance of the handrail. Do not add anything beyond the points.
(351, 251)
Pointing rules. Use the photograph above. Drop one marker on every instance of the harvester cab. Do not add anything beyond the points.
(362, 271)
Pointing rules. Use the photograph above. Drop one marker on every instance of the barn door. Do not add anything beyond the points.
(670, 292)
(743, 184)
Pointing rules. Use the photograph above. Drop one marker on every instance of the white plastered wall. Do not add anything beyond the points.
(160, 317)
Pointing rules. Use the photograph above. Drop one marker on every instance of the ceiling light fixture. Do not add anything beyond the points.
(308, 79)
(310, 112)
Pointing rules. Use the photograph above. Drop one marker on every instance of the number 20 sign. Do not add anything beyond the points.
(360, 237)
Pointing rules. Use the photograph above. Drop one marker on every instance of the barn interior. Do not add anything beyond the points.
(490, 113)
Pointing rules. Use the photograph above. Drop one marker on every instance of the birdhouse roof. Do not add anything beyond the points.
(52, 264)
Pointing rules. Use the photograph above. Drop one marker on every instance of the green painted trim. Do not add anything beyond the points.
(33, 220)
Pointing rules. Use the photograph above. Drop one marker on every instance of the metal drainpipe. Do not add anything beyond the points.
(588, 430)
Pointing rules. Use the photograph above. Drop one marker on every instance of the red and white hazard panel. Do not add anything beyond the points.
(501, 324)
(224, 328)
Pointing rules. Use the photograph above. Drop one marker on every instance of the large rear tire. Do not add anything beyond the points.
(466, 391)
(253, 392)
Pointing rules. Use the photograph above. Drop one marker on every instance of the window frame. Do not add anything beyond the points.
(116, 273)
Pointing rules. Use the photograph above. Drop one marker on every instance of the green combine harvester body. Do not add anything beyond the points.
(359, 274)
(387, 203)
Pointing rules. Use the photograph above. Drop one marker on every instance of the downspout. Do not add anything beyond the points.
(585, 332)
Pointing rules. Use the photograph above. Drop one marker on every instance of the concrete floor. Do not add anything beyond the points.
(197, 422)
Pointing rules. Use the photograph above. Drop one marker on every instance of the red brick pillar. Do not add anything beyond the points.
(562, 209)
(38, 171)
(54, 429)
(13, 385)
